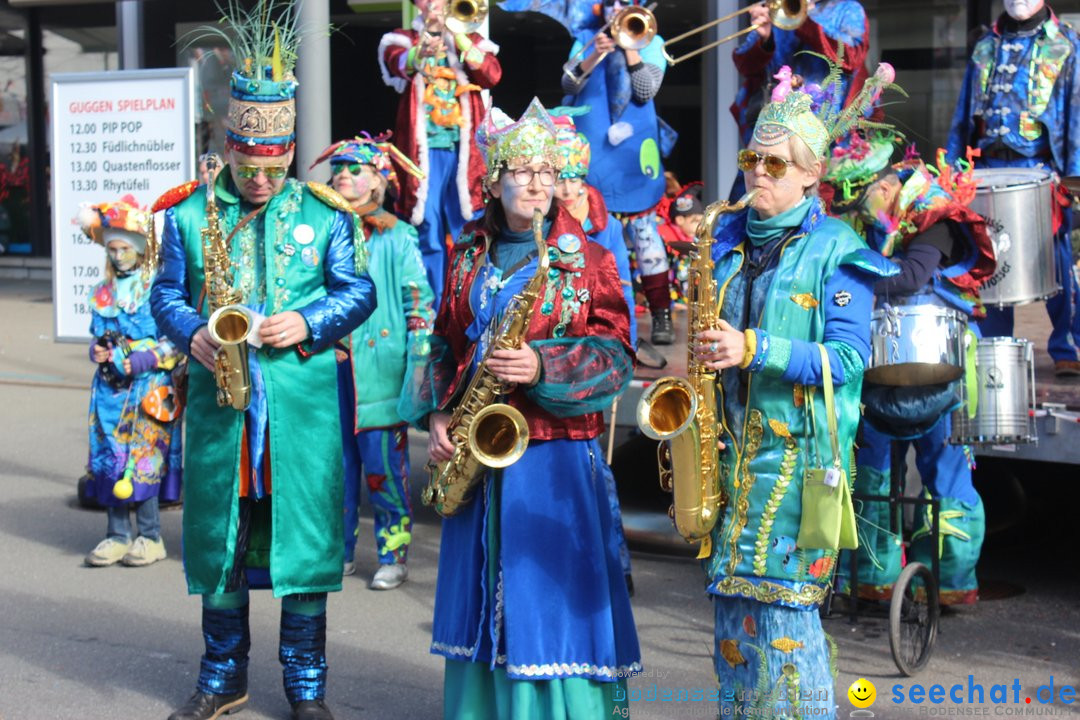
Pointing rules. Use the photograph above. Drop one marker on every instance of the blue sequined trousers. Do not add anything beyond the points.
(302, 651)
(223, 669)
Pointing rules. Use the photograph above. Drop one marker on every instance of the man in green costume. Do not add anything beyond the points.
(263, 505)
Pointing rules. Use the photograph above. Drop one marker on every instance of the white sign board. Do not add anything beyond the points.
(126, 132)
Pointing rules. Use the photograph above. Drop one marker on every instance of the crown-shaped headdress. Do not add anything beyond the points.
(376, 151)
(817, 114)
(504, 141)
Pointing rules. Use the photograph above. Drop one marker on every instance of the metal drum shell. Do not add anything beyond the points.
(919, 344)
(1005, 372)
(1017, 206)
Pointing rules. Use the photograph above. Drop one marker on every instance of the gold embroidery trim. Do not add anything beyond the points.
(768, 592)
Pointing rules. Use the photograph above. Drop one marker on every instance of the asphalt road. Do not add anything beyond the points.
(80, 643)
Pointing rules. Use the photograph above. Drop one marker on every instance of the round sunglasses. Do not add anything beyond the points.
(776, 167)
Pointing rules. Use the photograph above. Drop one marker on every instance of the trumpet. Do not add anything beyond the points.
(465, 16)
(632, 28)
(784, 14)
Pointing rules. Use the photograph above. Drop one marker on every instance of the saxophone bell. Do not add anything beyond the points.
(498, 435)
(667, 408)
(682, 413)
(230, 327)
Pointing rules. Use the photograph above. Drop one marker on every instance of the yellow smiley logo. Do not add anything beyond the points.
(862, 693)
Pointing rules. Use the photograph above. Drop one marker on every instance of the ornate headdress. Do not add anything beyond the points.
(857, 162)
(264, 42)
(817, 114)
(573, 145)
(377, 151)
(504, 141)
(120, 219)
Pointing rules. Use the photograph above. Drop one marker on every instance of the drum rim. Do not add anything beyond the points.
(1044, 177)
(945, 311)
(1001, 340)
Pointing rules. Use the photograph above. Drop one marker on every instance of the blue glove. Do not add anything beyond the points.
(142, 361)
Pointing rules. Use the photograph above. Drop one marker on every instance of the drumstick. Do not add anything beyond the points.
(611, 431)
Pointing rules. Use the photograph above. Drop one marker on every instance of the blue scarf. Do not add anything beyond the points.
(763, 230)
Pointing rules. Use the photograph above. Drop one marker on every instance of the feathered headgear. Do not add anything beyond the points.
(817, 114)
(504, 141)
(377, 151)
(264, 42)
(857, 162)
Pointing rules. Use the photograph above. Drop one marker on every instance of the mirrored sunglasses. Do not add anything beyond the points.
(775, 167)
(353, 167)
(272, 172)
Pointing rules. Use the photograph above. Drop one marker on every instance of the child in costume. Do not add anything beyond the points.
(371, 373)
(921, 220)
(439, 74)
(680, 216)
(135, 448)
(531, 609)
(795, 289)
(1017, 106)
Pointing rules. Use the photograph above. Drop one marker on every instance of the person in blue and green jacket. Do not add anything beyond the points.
(790, 280)
(263, 484)
(371, 373)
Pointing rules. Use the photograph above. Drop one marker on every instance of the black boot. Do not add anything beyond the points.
(204, 706)
(311, 710)
(663, 331)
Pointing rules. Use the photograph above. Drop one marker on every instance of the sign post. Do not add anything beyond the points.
(127, 132)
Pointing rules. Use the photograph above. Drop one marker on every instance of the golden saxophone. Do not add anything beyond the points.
(486, 433)
(230, 322)
(681, 412)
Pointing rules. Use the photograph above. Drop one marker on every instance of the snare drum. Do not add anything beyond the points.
(1017, 206)
(916, 345)
(1005, 374)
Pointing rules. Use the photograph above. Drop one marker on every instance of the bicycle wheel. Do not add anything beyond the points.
(913, 618)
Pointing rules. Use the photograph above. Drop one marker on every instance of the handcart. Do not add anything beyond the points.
(914, 608)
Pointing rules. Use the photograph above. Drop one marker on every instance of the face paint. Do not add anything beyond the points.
(611, 9)
(123, 257)
(1021, 10)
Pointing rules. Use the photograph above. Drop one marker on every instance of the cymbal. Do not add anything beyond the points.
(1072, 184)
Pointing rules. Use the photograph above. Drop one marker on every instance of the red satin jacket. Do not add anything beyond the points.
(583, 298)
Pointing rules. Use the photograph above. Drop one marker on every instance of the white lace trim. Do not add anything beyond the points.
(456, 650)
(575, 670)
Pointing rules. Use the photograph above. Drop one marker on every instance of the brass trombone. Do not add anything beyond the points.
(784, 14)
(465, 16)
(632, 28)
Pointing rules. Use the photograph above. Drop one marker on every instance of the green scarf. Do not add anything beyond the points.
(763, 230)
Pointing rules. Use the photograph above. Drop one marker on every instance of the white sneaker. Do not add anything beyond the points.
(348, 568)
(108, 552)
(144, 552)
(388, 577)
